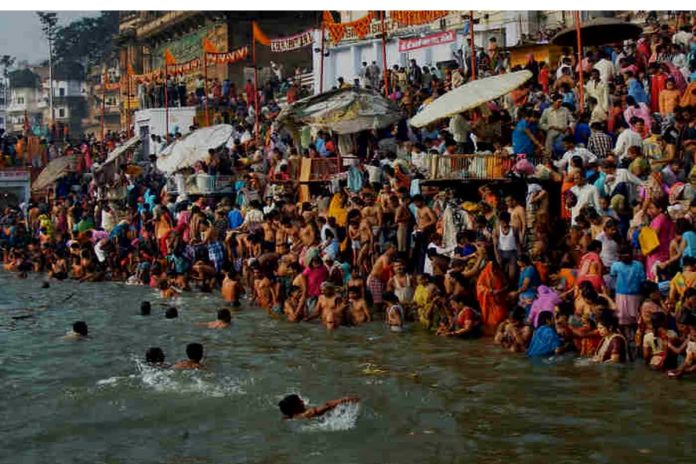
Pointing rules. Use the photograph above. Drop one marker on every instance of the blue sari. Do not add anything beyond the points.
(544, 342)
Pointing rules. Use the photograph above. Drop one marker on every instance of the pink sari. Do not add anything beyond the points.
(664, 227)
(591, 270)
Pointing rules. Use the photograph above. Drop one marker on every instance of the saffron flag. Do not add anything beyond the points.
(259, 36)
(168, 57)
(208, 46)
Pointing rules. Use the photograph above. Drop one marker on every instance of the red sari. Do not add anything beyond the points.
(493, 307)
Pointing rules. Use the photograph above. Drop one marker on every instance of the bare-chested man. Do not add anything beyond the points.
(425, 225)
(380, 274)
(231, 288)
(373, 215)
(357, 307)
(518, 219)
(263, 290)
(329, 307)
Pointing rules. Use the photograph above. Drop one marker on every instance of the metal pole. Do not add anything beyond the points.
(103, 108)
(473, 45)
(384, 55)
(581, 90)
(205, 77)
(321, 62)
(128, 92)
(50, 80)
(166, 101)
(256, 85)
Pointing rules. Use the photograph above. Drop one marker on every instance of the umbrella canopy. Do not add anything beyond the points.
(53, 171)
(343, 111)
(120, 150)
(598, 31)
(193, 148)
(469, 95)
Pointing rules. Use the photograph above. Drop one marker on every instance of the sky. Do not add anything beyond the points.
(21, 36)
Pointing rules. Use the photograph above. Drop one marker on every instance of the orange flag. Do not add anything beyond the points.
(259, 36)
(208, 46)
(168, 57)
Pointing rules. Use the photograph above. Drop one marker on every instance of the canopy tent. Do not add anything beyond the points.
(343, 111)
(468, 96)
(53, 171)
(120, 150)
(598, 31)
(193, 147)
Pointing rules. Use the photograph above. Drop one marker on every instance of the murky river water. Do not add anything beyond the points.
(425, 399)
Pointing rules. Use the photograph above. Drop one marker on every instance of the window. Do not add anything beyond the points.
(20, 100)
(61, 92)
(61, 112)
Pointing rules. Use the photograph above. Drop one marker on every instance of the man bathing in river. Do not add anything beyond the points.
(329, 307)
(194, 351)
(223, 321)
(293, 407)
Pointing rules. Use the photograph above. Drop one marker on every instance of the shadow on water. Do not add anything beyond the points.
(425, 399)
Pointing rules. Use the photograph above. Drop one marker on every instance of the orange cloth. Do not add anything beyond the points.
(493, 307)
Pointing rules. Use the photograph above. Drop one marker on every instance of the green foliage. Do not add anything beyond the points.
(87, 40)
(23, 78)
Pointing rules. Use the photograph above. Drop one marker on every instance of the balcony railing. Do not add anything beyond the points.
(474, 167)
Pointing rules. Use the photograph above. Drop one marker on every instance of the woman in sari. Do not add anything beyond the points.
(490, 293)
(682, 281)
(664, 228)
(591, 268)
(613, 347)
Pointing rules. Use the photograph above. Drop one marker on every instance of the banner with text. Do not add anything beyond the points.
(293, 42)
(431, 40)
(228, 57)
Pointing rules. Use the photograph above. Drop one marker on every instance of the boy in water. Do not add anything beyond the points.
(194, 351)
(231, 289)
(224, 320)
(79, 331)
(395, 313)
(291, 306)
(357, 307)
(293, 407)
(155, 357)
(689, 364)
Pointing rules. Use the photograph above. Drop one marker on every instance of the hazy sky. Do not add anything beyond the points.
(21, 37)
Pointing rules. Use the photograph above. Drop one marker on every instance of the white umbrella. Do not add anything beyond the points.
(120, 150)
(53, 171)
(193, 148)
(469, 95)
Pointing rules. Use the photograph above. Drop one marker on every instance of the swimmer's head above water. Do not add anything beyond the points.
(171, 313)
(291, 406)
(154, 356)
(145, 308)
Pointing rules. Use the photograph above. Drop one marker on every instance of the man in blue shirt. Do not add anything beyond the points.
(523, 140)
(234, 217)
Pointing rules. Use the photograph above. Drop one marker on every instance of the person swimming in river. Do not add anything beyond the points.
(79, 331)
(223, 321)
(293, 407)
(145, 308)
(194, 351)
(154, 357)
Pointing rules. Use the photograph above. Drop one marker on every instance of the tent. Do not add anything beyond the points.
(343, 111)
(598, 31)
(120, 150)
(468, 96)
(53, 171)
(193, 147)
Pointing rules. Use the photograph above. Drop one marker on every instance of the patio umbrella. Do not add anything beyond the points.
(598, 31)
(468, 96)
(193, 148)
(53, 171)
(343, 111)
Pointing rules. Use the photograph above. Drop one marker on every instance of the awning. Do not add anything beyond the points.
(468, 96)
(193, 147)
(120, 150)
(53, 171)
(598, 31)
(343, 111)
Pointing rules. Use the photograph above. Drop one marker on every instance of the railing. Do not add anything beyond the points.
(202, 184)
(474, 167)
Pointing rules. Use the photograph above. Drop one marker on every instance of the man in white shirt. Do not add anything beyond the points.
(598, 90)
(555, 120)
(459, 128)
(629, 137)
(419, 159)
(605, 68)
(572, 151)
(585, 194)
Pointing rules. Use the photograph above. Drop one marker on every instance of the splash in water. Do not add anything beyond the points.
(342, 417)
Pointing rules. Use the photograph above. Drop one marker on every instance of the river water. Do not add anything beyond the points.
(425, 399)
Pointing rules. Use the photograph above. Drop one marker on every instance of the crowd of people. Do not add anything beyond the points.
(591, 250)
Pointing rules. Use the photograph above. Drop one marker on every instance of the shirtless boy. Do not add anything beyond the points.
(263, 290)
(293, 407)
(194, 351)
(223, 321)
(357, 307)
(231, 288)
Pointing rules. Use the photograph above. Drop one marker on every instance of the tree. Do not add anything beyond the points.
(49, 21)
(87, 40)
(6, 61)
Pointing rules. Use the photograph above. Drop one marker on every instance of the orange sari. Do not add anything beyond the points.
(493, 307)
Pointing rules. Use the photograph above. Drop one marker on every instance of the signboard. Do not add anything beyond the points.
(431, 40)
(14, 175)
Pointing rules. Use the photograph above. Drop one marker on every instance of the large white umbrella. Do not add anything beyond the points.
(53, 171)
(193, 148)
(120, 150)
(468, 96)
